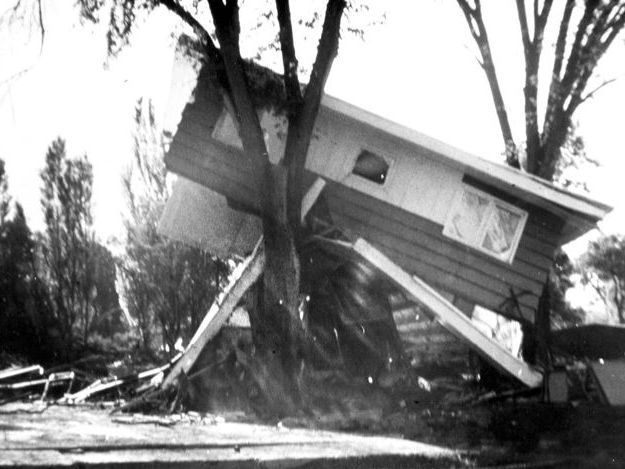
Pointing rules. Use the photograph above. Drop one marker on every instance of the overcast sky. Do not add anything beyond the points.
(418, 68)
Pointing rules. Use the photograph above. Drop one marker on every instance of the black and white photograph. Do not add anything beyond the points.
(312, 233)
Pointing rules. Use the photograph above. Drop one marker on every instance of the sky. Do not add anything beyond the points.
(417, 68)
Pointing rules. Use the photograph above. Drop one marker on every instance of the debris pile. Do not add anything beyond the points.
(77, 382)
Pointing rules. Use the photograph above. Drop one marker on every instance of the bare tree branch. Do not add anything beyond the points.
(532, 49)
(475, 22)
(590, 94)
(42, 27)
(525, 35)
(302, 124)
(554, 87)
(199, 29)
(226, 25)
(289, 59)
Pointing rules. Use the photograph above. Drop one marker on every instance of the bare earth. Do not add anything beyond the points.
(32, 436)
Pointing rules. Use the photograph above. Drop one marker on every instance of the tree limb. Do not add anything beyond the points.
(289, 59)
(251, 134)
(575, 55)
(226, 29)
(473, 16)
(532, 49)
(593, 37)
(199, 29)
(554, 87)
(42, 27)
(590, 94)
(302, 124)
(525, 35)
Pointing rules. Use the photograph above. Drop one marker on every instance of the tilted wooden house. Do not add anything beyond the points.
(472, 229)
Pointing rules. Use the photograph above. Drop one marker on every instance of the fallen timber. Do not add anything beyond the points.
(99, 385)
(13, 372)
(449, 316)
(445, 313)
(242, 279)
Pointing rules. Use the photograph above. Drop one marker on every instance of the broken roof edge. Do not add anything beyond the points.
(585, 206)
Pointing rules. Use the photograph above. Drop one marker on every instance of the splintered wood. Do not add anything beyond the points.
(451, 317)
(242, 279)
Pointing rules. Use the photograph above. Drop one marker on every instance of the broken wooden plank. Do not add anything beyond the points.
(12, 372)
(99, 386)
(24, 384)
(242, 279)
(311, 196)
(54, 378)
(451, 317)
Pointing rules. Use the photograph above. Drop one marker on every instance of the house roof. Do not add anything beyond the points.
(584, 211)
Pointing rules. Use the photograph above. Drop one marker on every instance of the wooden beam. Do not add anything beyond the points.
(12, 372)
(450, 317)
(242, 279)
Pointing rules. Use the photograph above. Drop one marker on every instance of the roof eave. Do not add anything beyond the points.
(511, 178)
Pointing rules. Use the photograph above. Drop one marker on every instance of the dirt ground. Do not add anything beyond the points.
(522, 435)
(44, 436)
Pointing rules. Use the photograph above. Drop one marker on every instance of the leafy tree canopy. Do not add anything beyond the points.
(603, 268)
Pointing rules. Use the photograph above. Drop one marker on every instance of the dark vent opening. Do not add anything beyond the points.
(371, 167)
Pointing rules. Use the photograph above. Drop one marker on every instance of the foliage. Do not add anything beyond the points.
(603, 268)
(562, 314)
(76, 270)
(574, 162)
(23, 304)
(5, 199)
(168, 287)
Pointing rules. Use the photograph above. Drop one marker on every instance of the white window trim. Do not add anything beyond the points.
(479, 237)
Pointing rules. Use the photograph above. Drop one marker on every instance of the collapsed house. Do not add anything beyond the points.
(451, 233)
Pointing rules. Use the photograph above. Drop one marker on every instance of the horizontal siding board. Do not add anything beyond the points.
(216, 157)
(539, 239)
(405, 237)
(220, 154)
(479, 286)
(197, 117)
(527, 242)
(533, 266)
(422, 256)
(537, 243)
(448, 254)
(210, 172)
(223, 169)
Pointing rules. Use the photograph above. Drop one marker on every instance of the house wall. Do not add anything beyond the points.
(403, 218)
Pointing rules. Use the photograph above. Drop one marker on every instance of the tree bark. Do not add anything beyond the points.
(475, 21)
(280, 189)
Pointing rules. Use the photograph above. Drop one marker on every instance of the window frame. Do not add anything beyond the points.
(480, 235)
(386, 161)
(362, 183)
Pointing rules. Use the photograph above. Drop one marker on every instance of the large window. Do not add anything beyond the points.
(486, 223)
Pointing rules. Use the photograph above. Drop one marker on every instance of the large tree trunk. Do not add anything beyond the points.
(277, 328)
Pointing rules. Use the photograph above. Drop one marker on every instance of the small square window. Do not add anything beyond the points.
(485, 223)
(372, 167)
